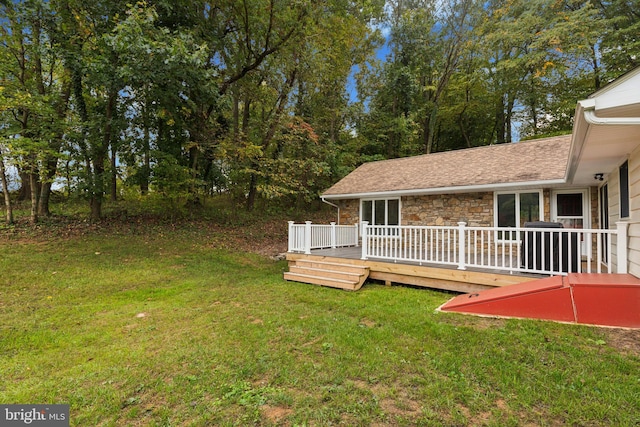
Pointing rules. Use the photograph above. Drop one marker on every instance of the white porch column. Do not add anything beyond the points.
(621, 247)
(365, 243)
(461, 246)
(291, 237)
(307, 237)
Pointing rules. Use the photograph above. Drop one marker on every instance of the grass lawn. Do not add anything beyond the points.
(185, 327)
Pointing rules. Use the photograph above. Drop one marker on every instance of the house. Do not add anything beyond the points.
(486, 221)
(496, 185)
(589, 179)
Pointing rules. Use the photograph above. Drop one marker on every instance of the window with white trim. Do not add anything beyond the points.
(515, 208)
(624, 190)
(380, 211)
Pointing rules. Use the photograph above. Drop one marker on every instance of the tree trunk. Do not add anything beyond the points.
(43, 200)
(463, 129)
(96, 208)
(500, 121)
(97, 192)
(596, 69)
(33, 182)
(144, 180)
(45, 187)
(194, 154)
(146, 148)
(114, 174)
(25, 186)
(430, 125)
(99, 157)
(251, 196)
(68, 175)
(5, 191)
(508, 117)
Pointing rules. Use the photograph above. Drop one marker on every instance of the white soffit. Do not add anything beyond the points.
(601, 148)
(605, 148)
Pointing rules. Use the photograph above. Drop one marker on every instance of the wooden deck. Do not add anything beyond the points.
(429, 276)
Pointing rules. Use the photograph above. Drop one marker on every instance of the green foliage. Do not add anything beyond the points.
(169, 177)
(255, 98)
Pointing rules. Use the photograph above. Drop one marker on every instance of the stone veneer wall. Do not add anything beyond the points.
(476, 209)
(349, 211)
(595, 214)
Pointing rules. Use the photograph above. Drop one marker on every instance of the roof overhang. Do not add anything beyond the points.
(606, 130)
(512, 186)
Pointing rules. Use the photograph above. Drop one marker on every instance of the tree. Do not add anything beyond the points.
(5, 189)
(36, 92)
(96, 88)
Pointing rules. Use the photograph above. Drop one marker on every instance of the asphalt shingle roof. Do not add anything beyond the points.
(522, 162)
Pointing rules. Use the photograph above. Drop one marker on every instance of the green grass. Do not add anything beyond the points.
(161, 327)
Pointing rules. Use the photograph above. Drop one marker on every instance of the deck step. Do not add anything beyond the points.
(335, 275)
(317, 280)
(330, 274)
(334, 266)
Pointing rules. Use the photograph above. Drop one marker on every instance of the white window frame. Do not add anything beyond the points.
(586, 209)
(624, 190)
(586, 204)
(517, 201)
(386, 210)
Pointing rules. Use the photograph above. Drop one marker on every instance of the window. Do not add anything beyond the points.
(381, 211)
(569, 209)
(624, 190)
(514, 209)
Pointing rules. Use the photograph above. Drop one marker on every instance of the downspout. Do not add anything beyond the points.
(335, 206)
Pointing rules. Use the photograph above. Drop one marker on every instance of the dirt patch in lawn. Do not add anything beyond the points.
(626, 340)
(276, 414)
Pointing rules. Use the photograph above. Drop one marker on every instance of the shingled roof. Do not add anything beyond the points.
(535, 162)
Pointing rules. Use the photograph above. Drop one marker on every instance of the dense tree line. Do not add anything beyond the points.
(465, 73)
(274, 100)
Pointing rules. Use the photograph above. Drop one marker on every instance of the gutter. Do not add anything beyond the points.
(590, 116)
(581, 128)
(335, 206)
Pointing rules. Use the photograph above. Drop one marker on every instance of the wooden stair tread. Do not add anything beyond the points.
(331, 274)
(307, 276)
(316, 280)
(332, 266)
(324, 271)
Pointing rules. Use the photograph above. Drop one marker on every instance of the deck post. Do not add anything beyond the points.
(290, 246)
(355, 233)
(365, 243)
(461, 246)
(307, 237)
(621, 247)
(333, 235)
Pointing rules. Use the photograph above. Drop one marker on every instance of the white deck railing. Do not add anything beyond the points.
(308, 236)
(532, 250)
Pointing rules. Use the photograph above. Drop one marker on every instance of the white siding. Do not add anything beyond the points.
(613, 183)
